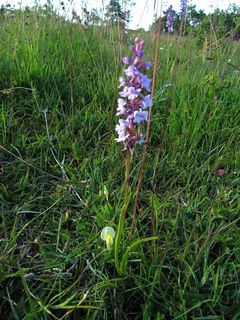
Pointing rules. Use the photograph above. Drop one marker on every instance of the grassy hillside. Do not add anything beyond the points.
(62, 173)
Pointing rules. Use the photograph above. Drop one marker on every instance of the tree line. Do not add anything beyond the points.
(221, 23)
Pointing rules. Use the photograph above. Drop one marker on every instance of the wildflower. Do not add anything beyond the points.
(130, 92)
(140, 116)
(122, 81)
(121, 107)
(146, 102)
(145, 82)
(139, 53)
(169, 23)
(122, 127)
(131, 71)
(108, 234)
(135, 97)
(148, 65)
(126, 60)
(183, 9)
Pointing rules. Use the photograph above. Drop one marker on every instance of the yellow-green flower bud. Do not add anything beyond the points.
(108, 234)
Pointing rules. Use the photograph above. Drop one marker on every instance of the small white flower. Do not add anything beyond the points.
(121, 128)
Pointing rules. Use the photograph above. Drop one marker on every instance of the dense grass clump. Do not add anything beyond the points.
(61, 176)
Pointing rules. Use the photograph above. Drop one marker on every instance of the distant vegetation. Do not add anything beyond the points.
(220, 23)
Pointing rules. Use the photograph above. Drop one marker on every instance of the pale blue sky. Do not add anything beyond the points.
(143, 18)
(142, 12)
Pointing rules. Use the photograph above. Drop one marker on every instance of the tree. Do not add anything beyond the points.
(114, 12)
(94, 17)
(222, 23)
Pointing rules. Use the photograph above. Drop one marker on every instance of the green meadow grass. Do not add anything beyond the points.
(62, 173)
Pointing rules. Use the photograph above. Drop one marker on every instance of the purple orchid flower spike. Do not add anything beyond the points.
(135, 97)
(183, 9)
(169, 23)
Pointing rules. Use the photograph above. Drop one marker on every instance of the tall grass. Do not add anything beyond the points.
(61, 176)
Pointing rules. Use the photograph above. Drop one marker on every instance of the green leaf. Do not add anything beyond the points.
(123, 263)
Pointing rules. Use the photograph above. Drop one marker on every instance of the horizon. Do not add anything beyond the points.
(142, 13)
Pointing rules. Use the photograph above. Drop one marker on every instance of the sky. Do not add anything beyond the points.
(142, 12)
(145, 19)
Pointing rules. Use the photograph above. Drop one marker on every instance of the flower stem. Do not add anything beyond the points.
(134, 215)
(120, 230)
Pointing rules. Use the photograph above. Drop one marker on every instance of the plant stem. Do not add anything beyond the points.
(134, 216)
(120, 230)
